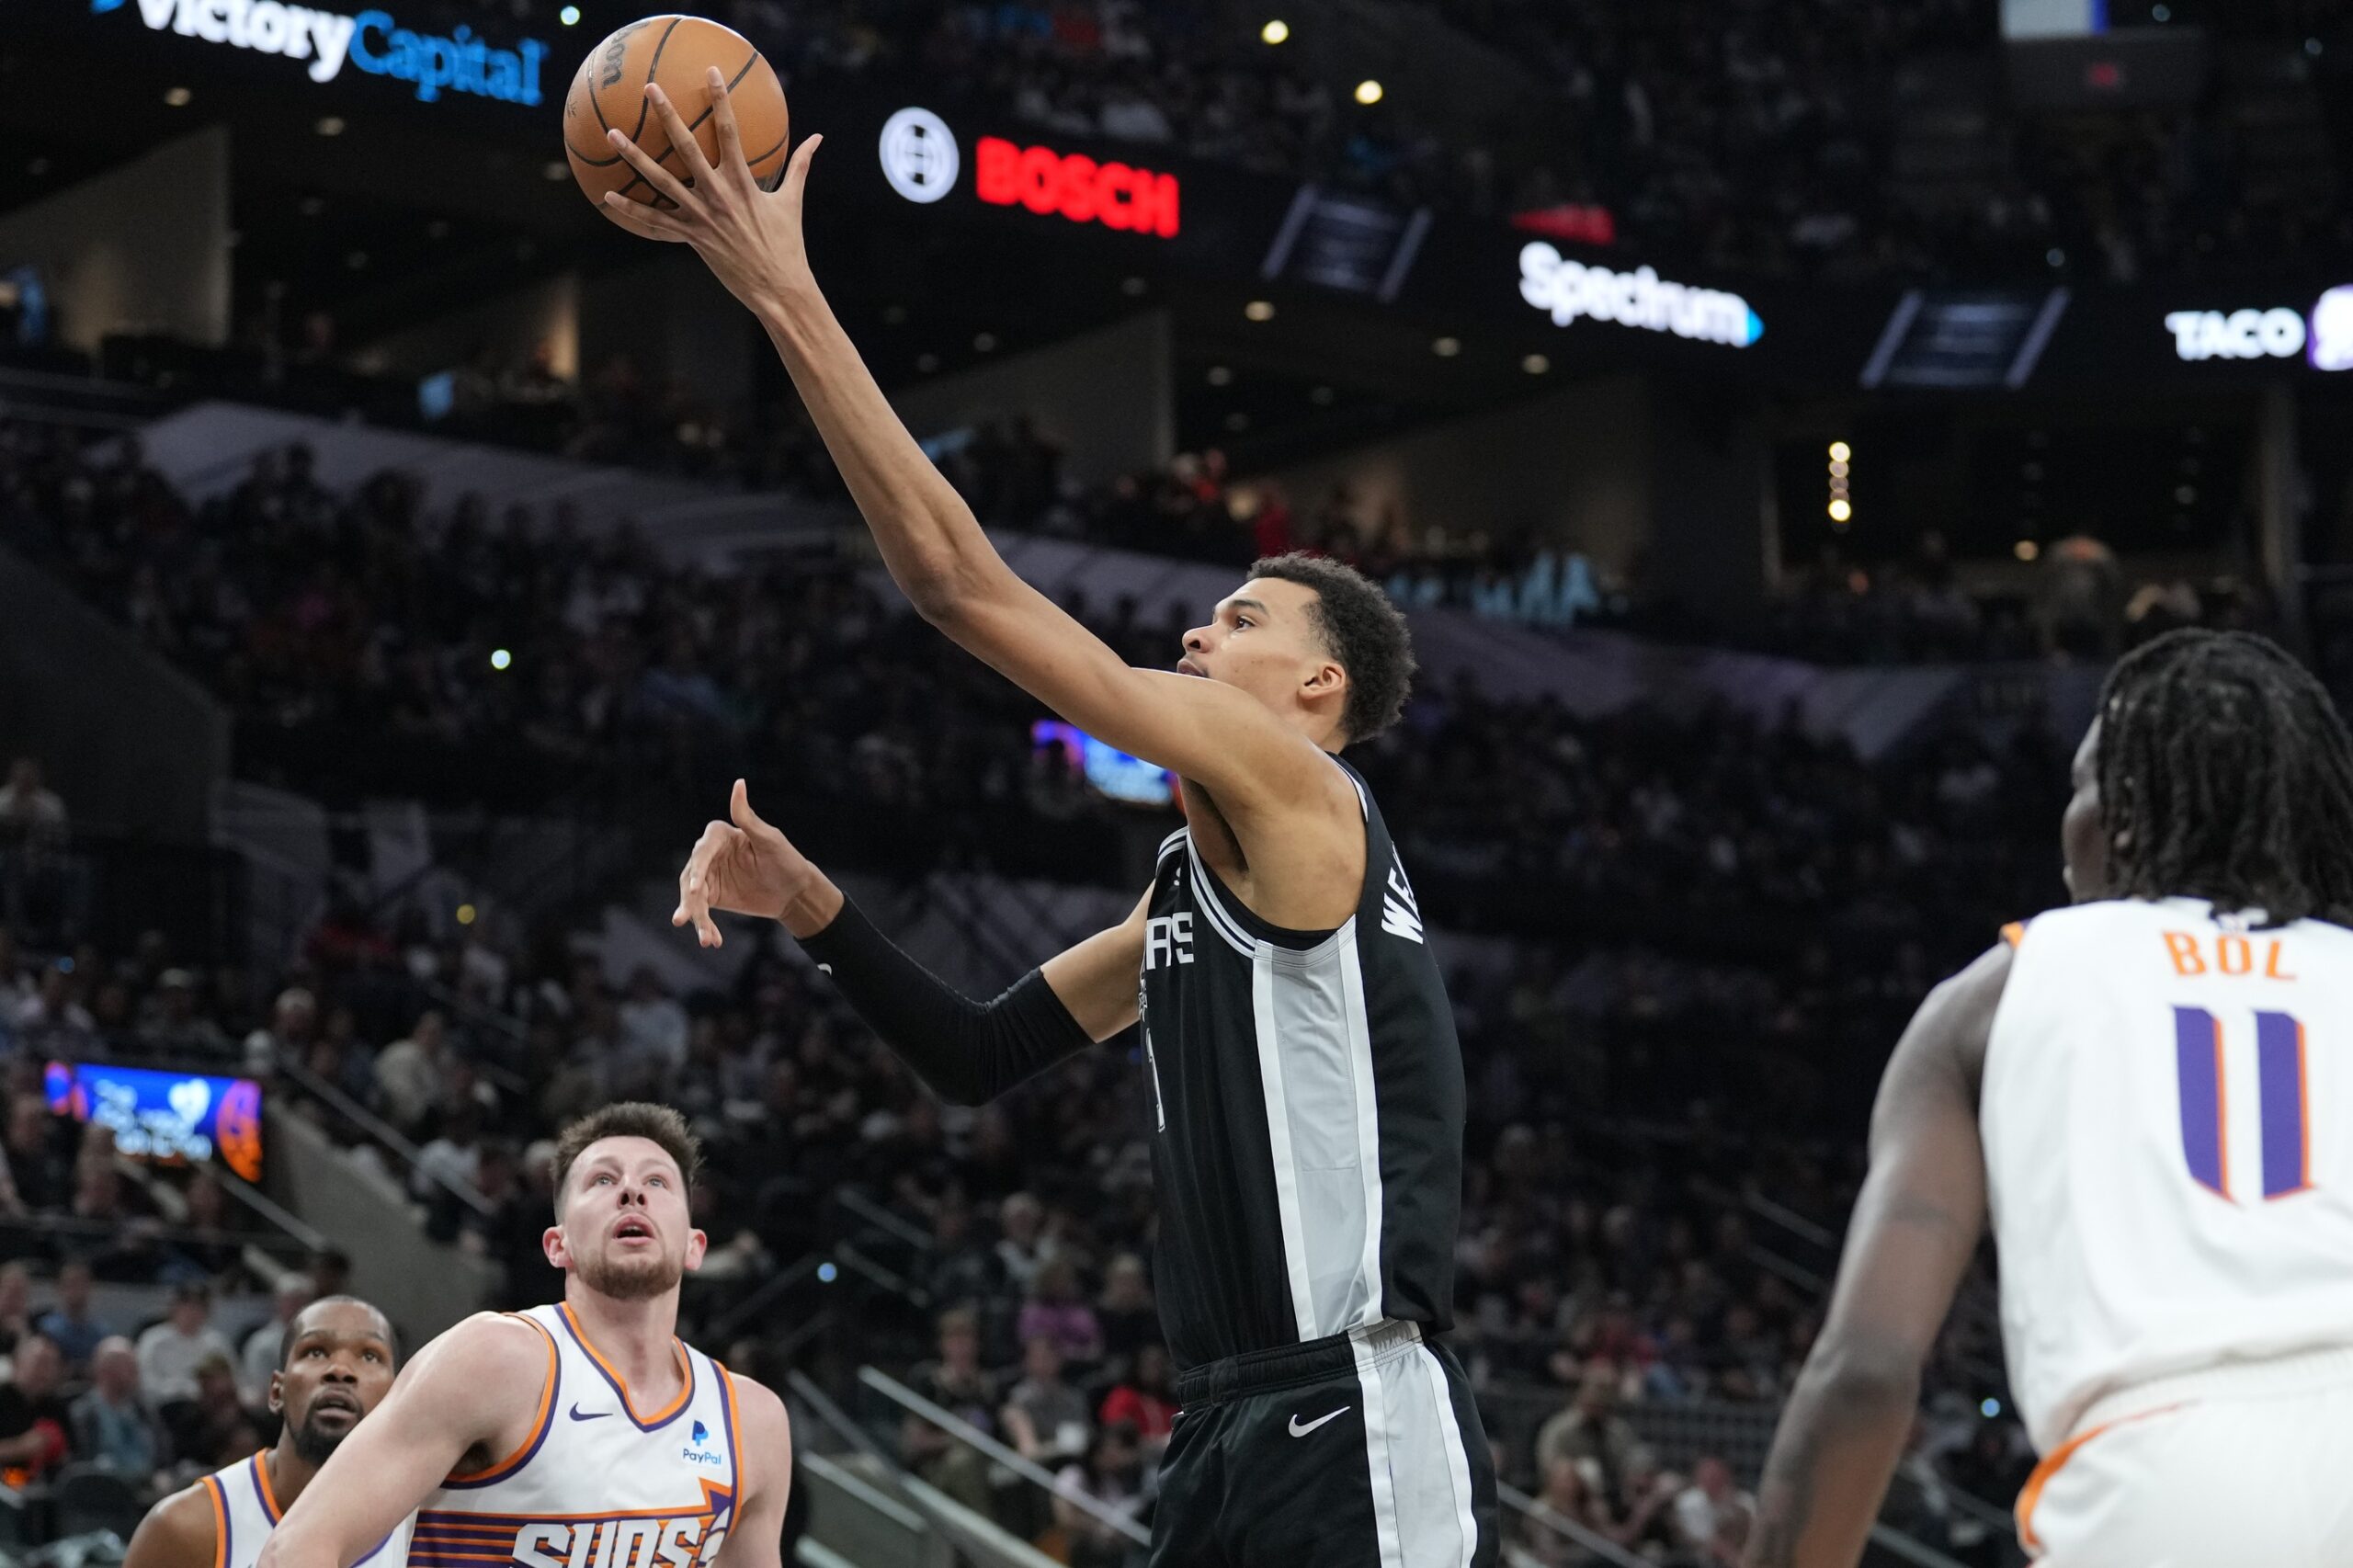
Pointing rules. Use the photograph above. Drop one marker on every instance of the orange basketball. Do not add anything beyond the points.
(676, 52)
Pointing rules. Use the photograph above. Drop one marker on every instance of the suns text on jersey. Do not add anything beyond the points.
(684, 1543)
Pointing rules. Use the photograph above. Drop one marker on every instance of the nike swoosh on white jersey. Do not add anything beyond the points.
(1299, 1431)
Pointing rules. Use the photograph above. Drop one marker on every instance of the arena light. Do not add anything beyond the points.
(1274, 31)
(501, 659)
(2027, 550)
(1221, 376)
(1260, 309)
(569, 15)
(1369, 92)
(1536, 364)
(1840, 451)
(467, 913)
(554, 170)
(177, 96)
(1842, 511)
(1447, 347)
(332, 125)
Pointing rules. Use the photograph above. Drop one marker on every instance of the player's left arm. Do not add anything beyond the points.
(1915, 1229)
(1218, 737)
(764, 1471)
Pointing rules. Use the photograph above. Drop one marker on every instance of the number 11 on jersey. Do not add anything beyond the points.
(2284, 1104)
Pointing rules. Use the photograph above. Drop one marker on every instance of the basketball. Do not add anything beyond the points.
(608, 92)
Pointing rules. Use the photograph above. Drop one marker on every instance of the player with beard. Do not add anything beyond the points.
(337, 1365)
(583, 1432)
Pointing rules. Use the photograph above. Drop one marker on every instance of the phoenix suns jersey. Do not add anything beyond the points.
(600, 1482)
(2167, 1120)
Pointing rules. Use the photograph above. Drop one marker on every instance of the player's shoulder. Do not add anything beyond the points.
(765, 1427)
(505, 1348)
(181, 1531)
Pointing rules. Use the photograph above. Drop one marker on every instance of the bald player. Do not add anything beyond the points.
(337, 1365)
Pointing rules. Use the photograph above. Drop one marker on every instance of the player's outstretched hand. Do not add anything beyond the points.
(750, 238)
(743, 867)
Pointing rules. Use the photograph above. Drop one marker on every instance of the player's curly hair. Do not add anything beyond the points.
(1364, 631)
(628, 1118)
(2226, 774)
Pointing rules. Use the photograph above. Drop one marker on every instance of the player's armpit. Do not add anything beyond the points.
(178, 1532)
(483, 1385)
(1916, 1228)
(1095, 979)
(756, 1536)
(1215, 735)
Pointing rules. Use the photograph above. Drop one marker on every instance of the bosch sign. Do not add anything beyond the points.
(372, 41)
(1133, 200)
(2326, 337)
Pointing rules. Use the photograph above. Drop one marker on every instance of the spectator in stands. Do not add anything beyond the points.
(171, 1026)
(965, 1268)
(15, 1306)
(410, 1073)
(111, 1423)
(213, 1424)
(1021, 1244)
(1045, 1418)
(260, 1354)
(1590, 1429)
(36, 1424)
(171, 1351)
(29, 809)
(1145, 1400)
(1111, 1477)
(1565, 1499)
(453, 1157)
(39, 1147)
(75, 1328)
(207, 1244)
(957, 1382)
(1055, 1310)
(293, 1023)
(652, 1042)
(1712, 1513)
(1129, 1317)
(330, 1272)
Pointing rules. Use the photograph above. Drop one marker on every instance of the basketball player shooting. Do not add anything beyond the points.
(2151, 1092)
(583, 1432)
(334, 1368)
(1306, 1084)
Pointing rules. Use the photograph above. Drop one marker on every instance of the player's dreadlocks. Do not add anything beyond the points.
(2226, 774)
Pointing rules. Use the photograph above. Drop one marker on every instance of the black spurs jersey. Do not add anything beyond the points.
(1308, 1099)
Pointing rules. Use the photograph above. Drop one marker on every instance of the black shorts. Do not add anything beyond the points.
(1363, 1451)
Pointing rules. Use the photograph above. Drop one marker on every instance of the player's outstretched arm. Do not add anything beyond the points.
(1213, 734)
(480, 1382)
(755, 1535)
(176, 1533)
(969, 1051)
(1916, 1228)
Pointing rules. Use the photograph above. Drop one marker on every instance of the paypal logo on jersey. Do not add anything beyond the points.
(701, 1435)
(373, 41)
(696, 1453)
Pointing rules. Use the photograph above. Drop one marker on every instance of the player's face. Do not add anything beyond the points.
(2083, 832)
(625, 1228)
(337, 1368)
(1264, 640)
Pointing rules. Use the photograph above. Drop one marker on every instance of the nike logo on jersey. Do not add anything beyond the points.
(579, 1414)
(1299, 1431)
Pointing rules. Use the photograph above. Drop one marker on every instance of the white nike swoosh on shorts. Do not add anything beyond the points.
(1299, 1431)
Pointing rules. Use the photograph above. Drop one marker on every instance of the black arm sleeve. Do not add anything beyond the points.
(969, 1052)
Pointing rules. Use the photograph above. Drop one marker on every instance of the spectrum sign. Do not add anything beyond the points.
(1566, 290)
(372, 41)
(2324, 338)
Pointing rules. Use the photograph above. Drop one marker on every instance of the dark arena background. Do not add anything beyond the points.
(1776, 415)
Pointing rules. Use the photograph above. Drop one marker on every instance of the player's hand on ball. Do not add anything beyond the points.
(749, 237)
(743, 867)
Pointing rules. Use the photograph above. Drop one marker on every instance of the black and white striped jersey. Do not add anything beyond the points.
(1308, 1099)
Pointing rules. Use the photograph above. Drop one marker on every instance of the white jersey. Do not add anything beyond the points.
(2167, 1117)
(244, 1510)
(597, 1482)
